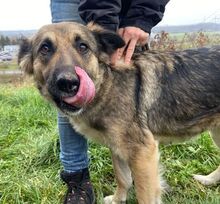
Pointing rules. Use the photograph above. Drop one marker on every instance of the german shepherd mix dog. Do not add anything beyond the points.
(162, 96)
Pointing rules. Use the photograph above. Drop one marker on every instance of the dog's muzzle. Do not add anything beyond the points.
(67, 83)
(71, 88)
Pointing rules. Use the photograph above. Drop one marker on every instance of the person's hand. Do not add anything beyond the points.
(132, 36)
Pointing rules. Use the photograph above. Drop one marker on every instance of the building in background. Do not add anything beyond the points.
(9, 52)
(12, 49)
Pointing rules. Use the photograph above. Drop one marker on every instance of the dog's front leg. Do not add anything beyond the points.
(123, 180)
(144, 165)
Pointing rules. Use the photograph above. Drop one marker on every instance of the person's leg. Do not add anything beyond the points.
(73, 155)
(73, 146)
(65, 10)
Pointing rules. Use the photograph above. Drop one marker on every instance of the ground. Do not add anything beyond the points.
(29, 157)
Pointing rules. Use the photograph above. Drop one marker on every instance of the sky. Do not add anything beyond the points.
(29, 14)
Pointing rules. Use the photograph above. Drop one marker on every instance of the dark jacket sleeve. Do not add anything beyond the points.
(144, 14)
(104, 13)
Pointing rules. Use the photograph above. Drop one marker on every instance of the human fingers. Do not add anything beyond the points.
(134, 32)
(130, 50)
(126, 39)
(114, 57)
(143, 39)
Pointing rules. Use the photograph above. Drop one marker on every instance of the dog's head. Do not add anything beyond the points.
(64, 60)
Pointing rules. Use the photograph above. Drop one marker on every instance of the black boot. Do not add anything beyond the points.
(80, 190)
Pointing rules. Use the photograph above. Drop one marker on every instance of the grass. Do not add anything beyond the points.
(11, 78)
(29, 163)
(181, 35)
(9, 65)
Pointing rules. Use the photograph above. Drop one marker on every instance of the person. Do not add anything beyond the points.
(133, 21)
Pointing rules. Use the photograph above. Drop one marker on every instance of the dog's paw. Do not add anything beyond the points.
(109, 200)
(205, 180)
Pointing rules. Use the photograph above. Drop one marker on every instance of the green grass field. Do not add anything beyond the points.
(11, 65)
(29, 157)
(180, 35)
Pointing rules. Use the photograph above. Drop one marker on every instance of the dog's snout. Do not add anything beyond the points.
(68, 83)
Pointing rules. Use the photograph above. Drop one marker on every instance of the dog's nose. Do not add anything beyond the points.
(68, 83)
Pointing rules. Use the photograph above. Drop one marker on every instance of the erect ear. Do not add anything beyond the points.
(108, 41)
(25, 59)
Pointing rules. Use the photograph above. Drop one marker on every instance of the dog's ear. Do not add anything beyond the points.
(25, 59)
(107, 40)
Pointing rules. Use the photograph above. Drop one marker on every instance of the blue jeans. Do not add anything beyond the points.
(65, 10)
(73, 146)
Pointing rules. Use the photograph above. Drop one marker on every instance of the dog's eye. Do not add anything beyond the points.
(45, 49)
(83, 48)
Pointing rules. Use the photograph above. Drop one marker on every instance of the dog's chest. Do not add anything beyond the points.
(93, 132)
(99, 135)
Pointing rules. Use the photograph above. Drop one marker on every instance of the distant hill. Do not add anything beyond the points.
(208, 27)
(17, 33)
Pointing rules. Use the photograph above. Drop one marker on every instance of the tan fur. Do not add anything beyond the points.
(158, 96)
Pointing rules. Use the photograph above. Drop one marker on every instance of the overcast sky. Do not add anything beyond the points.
(29, 14)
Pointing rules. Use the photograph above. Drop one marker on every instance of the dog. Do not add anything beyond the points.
(160, 96)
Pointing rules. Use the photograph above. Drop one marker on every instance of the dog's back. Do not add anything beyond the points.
(182, 90)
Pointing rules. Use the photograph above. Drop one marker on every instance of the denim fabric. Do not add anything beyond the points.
(73, 146)
(65, 10)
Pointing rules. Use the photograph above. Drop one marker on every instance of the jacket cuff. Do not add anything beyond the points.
(142, 24)
(111, 27)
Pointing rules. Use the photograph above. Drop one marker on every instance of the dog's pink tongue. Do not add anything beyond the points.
(86, 91)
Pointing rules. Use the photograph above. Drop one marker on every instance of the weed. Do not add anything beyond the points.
(171, 42)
